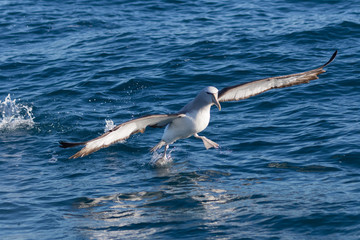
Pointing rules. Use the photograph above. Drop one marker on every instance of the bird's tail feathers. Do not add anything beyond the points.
(70, 144)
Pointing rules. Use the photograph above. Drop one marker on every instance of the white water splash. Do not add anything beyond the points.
(53, 159)
(14, 116)
(109, 125)
(158, 160)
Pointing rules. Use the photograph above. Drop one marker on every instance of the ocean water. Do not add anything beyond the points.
(289, 162)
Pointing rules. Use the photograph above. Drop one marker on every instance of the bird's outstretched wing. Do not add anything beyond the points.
(121, 132)
(250, 89)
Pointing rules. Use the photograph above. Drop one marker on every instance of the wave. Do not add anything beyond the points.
(15, 115)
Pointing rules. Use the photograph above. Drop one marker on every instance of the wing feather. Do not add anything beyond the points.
(121, 132)
(246, 90)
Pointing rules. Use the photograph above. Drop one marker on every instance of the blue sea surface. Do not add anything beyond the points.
(288, 166)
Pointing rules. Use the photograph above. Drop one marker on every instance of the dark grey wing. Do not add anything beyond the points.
(250, 89)
(121, 132)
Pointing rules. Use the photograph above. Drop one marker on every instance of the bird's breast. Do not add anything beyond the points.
(180, 128)
(200, 118)
(186, 126)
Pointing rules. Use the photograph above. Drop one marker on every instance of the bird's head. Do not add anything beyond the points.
(211, 93)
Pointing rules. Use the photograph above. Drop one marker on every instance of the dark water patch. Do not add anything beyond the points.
(7, 209)
(64, 92)
(257, 145)
(175, 204)
(351, 158)
(338, 30)
(318, 224)
(309, 168)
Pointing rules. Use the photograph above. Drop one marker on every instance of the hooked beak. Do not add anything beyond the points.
(216, 101)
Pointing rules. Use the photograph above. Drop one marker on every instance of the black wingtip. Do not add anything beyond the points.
(331, 59)
(69, 144)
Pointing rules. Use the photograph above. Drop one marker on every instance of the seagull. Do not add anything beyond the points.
(194, 117)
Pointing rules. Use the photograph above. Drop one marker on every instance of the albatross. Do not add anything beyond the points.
(194, 117)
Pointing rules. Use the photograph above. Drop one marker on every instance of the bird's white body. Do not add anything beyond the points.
(193, 122)
(196, 117)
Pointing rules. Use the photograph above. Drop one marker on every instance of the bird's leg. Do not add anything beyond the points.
(207, 142)
(166, 148)
(158, 146)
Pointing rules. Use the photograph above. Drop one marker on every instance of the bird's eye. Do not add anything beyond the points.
(209, 93)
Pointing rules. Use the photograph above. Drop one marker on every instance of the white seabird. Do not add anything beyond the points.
(195, 116)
